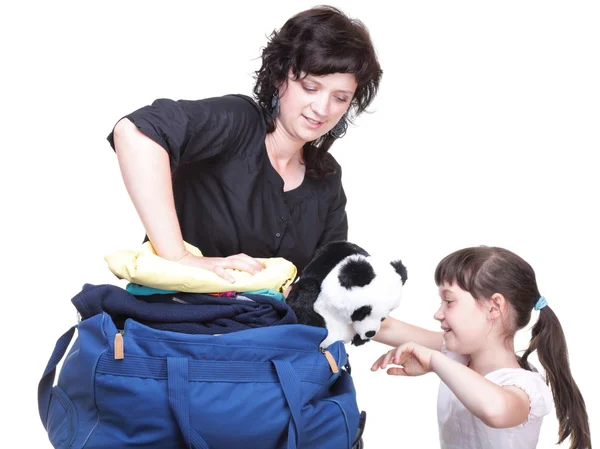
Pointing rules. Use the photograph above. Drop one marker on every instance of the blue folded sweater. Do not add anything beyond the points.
(193, 313)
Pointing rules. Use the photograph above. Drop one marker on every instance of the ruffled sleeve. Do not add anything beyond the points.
(533, 384)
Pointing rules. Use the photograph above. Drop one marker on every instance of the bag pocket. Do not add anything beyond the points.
(332, 421)
(137, 412)
(62, 419)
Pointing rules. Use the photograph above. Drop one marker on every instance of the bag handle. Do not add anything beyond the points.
(178, 388)
(179, 400)
(47, 381)
(291, 386)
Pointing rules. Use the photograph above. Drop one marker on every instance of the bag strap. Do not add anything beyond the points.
(291, 386)
(209, 370)
(358, 441)
(179, 400)
(47, 381)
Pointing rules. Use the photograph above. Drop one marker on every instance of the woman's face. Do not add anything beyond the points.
(310, 106)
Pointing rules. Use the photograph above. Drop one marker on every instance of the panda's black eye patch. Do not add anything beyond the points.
(361, 313)
(356, 273)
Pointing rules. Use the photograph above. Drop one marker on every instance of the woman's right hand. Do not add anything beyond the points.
(219, 265)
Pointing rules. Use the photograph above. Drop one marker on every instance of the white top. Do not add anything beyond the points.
(460, 429)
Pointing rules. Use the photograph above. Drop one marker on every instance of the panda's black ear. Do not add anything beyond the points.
(400, 269)
(356, 273)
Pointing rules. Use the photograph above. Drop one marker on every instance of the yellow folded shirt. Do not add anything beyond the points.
(145, 267)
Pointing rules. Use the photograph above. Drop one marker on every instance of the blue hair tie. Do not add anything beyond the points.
(540, 304)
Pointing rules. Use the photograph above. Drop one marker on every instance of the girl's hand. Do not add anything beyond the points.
(219, 265)
(415, 360)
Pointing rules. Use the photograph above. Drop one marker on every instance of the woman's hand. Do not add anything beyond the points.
(219, 265)
(415, 360)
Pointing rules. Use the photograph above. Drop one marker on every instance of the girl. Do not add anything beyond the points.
(490, 397)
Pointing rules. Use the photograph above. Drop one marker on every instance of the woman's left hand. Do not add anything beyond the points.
(414, 359)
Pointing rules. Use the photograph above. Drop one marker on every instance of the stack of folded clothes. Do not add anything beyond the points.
(170, 296)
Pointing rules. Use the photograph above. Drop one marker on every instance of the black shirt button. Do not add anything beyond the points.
(283, 218)
(278, 235)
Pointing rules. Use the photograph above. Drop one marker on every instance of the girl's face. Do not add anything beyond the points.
(463, 319)
(312, 105)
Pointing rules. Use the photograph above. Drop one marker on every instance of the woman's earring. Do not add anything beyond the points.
(275, 105)
(340, 128)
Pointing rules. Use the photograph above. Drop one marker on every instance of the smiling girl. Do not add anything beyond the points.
(490, 397)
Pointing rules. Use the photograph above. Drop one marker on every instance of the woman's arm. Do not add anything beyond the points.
(147, 176)
(394, 332)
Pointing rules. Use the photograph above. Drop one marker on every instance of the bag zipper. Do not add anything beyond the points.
(332, 363)
(120, 352)
(119, 346)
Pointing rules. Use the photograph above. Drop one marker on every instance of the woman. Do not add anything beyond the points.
(242, 179)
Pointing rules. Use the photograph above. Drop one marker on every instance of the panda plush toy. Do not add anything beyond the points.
(347, 291)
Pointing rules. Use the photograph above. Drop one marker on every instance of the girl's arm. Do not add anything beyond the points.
(394, 332)
(496, 406)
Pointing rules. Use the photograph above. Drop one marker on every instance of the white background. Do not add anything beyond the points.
(485, 131)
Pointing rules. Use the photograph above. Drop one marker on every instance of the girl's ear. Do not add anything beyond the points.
(496, 306)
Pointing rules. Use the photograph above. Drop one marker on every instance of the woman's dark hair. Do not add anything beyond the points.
(483, 271)
(319, 41)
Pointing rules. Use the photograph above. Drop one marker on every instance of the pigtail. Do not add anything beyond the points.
(548, 339)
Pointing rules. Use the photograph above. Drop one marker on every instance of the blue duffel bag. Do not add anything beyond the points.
(142, 387)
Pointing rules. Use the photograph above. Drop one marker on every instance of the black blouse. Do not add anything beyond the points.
(229, 198)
